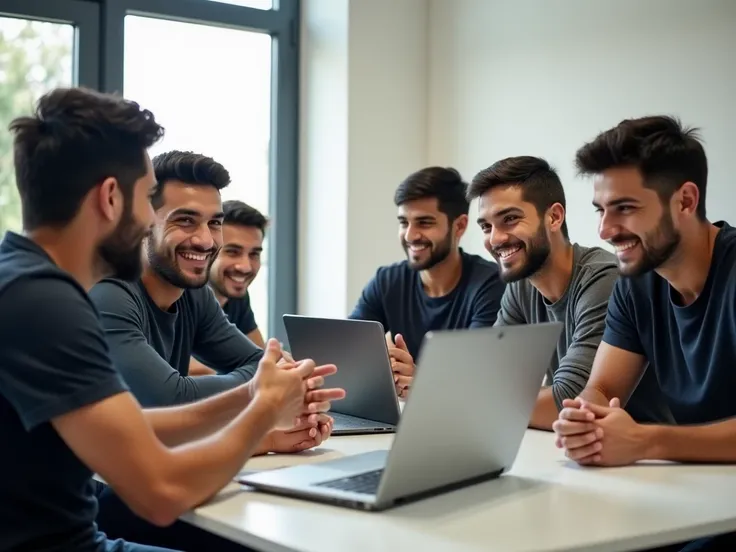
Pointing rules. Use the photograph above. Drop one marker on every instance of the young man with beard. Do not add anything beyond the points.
(235, 268)
(438, 286)
(84, 180)
(674, 312)
(521, 211)
(153, 325)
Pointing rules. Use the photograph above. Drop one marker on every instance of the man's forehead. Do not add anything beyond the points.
(419, 208)
(243, 236)
(498, 202)
(205, 200)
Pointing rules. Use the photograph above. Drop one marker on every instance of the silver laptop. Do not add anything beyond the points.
(469, 407)
(358, 349)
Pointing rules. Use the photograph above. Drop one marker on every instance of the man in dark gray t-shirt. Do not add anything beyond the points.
(522, 214)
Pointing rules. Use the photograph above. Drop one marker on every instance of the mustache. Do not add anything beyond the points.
(197, 249)
(408, 244)
(239, 273)
(620, 238)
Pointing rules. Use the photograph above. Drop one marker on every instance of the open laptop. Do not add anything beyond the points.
(358, 349)
(469, 407)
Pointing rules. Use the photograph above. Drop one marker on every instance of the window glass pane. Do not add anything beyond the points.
(210, 88)
(35, 57)
(258, 4)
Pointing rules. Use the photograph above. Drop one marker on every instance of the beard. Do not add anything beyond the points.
(437, 252)
(536, 251)
(657, 247)
(121, 252)
(165, 264)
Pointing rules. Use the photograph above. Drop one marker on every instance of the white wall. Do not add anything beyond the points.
(540, 77)
(390, 86)
(364, 128)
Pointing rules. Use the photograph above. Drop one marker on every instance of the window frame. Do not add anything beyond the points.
(84, 16)
(100, 65)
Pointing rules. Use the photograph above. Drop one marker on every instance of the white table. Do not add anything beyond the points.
(545, 503)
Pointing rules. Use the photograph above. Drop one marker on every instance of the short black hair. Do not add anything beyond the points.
(187, 167)
(75, 139)
(444, 184)
(665, 152)
(242, 214)
(540, 185)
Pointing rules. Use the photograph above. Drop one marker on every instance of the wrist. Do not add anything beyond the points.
(264, 412)
(248, 391)
(266, 445)
(651, 436)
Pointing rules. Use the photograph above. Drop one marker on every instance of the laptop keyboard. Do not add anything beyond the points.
(350, 422)
(364, 483)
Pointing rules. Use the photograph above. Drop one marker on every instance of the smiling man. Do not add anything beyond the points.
(235, 268)
(674, 313)
(438, 286)
(522, 212)
(154, 324)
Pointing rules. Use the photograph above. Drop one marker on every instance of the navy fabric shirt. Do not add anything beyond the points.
(240, 313)
(692, 349)
(152, 348)
(53, 360)
(395, 297)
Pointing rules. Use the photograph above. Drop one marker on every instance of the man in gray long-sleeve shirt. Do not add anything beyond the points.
(522, 214)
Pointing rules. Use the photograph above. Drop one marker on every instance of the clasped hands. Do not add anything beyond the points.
(595, 435)
(313, 426)
(402, 364)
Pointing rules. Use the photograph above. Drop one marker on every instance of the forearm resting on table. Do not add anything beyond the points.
(545, 410)
(198, 470)
(715, 442)
(179, 424)
(594, 395)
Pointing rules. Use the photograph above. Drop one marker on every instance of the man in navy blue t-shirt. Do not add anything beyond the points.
(673, 311)
(438, 286)
(84, 180)
(234, 270)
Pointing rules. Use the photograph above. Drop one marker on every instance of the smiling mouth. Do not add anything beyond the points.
(418, 247)
(237, 278)
(196, 259)
(622, 247)
(505, 253)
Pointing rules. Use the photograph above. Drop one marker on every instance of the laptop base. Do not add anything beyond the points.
(352, 425)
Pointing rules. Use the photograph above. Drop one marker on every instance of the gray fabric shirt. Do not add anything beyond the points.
(582, 309)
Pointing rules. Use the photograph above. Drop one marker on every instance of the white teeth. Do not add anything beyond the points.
(508, 251)
(417, 247)
(238, 279)
(624, 246)
(194, 257)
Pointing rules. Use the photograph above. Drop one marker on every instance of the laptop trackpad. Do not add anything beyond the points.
(311, 474)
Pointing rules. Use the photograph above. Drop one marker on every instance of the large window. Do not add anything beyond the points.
(222, 111)
(36, 56)
(220, 75)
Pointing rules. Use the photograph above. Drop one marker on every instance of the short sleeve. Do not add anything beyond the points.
(370, 305)
(621, 330)
(244, 318)
(54, 358)
(487, 302)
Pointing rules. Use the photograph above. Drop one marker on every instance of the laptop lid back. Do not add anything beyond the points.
(469, 406)
(358, 349)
